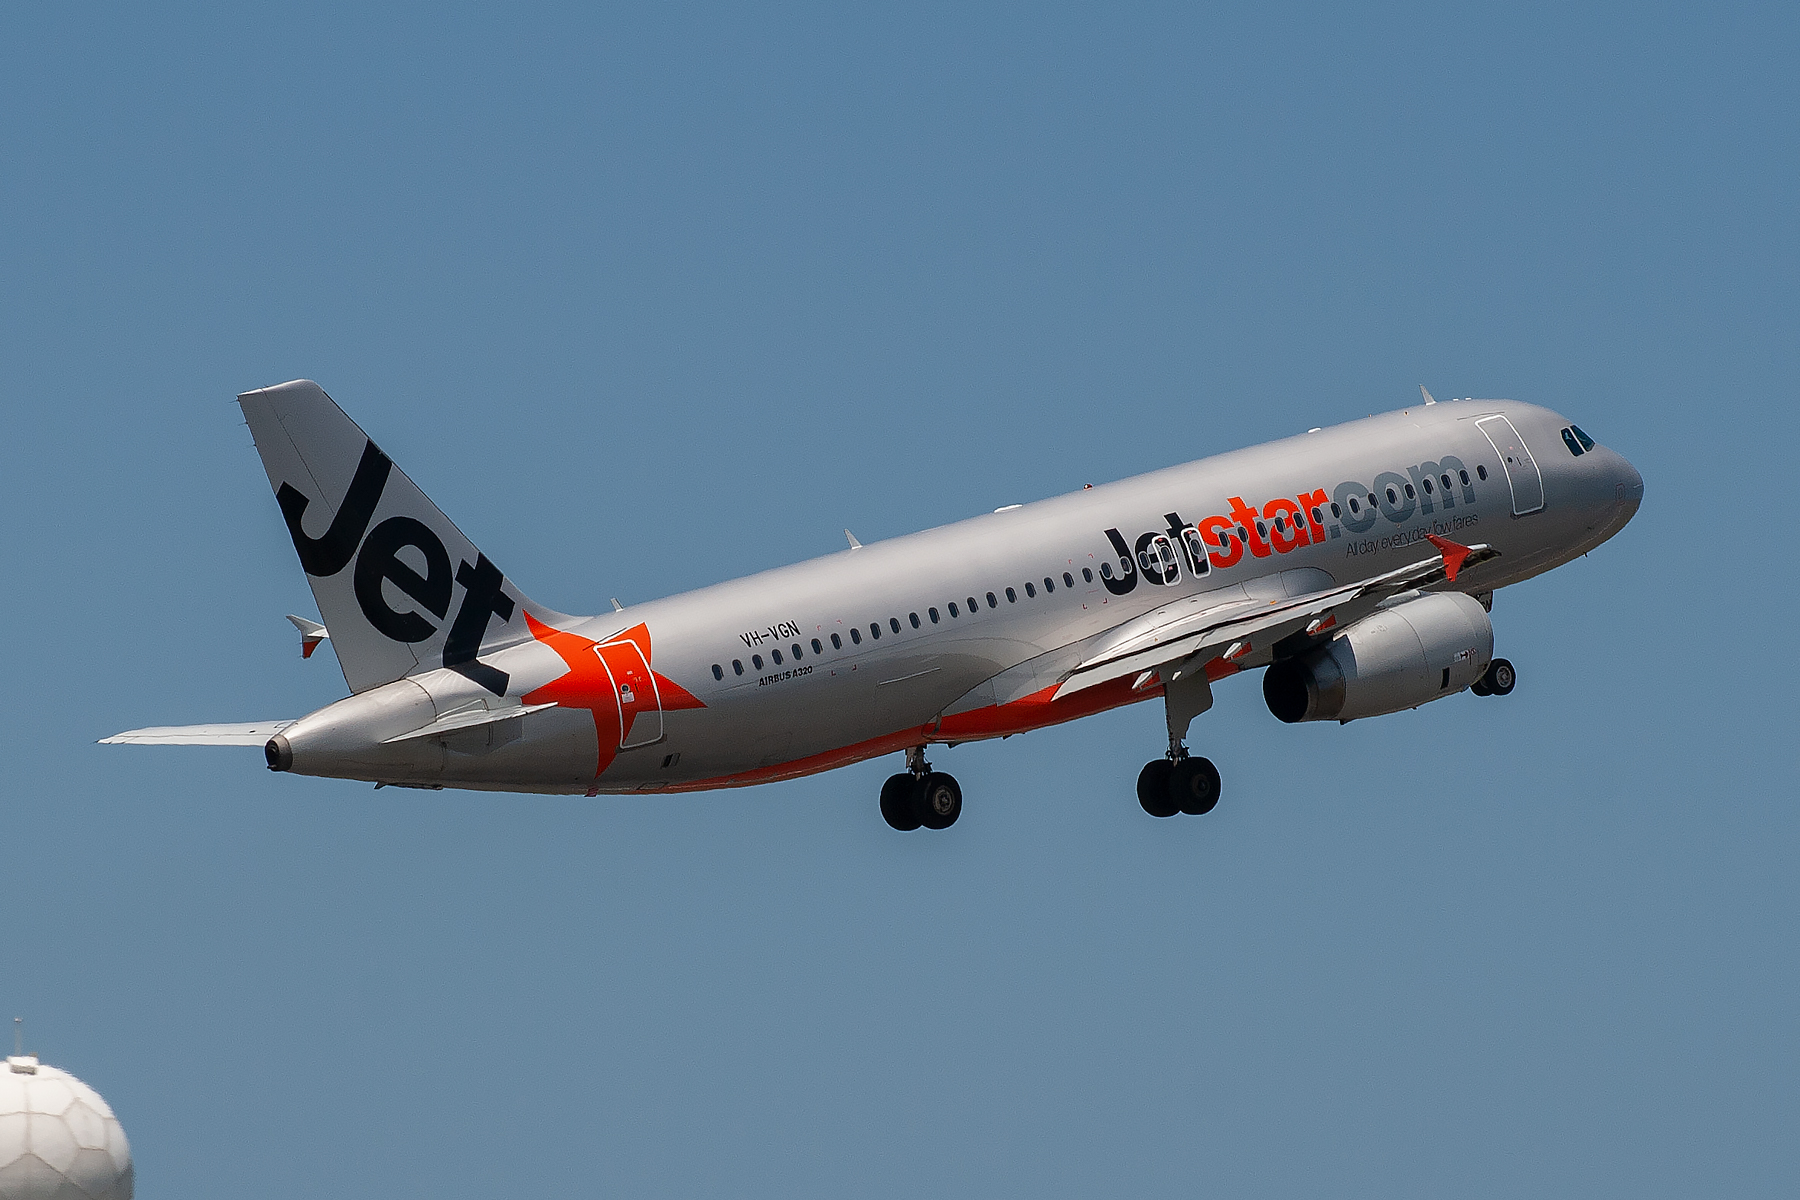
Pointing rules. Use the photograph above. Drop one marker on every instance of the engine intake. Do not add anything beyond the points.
(1401, 656)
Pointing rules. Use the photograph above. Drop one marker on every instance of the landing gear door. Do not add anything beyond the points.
(1521, 469)
(634, 686)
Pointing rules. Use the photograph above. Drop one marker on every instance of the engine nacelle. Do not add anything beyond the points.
(1400, 656)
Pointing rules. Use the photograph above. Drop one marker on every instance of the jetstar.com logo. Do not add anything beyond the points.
(378, 560)
(1283, 525)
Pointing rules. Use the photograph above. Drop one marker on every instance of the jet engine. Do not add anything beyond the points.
(1407, 652)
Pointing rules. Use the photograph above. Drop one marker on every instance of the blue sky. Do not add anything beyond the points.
(650, 298)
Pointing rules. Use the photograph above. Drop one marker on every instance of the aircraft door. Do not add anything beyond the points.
(1157, 559)
(640, 704)
(1196, 551)
(1522, 474)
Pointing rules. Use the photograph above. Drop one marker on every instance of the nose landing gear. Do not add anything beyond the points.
(920, 796)
(1497, 681)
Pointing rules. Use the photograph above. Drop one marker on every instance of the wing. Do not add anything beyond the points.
(1227, 624)
(249, 733)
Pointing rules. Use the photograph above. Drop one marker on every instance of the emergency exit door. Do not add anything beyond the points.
(1522, 474)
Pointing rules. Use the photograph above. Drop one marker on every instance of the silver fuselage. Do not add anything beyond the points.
(794, 714)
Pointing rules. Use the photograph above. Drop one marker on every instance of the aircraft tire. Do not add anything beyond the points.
(1194, 786)
(1480, 687)
(1153, 788)
(939, 801)
(1500, 677)
(900, 802)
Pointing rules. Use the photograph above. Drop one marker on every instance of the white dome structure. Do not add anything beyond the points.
(58, 1139)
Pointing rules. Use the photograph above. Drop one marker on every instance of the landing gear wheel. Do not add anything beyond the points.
(899, 802)
(1500, 677)
(939, 801)
(1153, 788)
(1194, 786)
(1480, 687)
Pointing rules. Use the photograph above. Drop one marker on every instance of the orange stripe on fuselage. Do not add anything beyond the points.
(1036, 711)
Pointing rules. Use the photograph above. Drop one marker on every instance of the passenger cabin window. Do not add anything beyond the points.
(932, 613)
(1105, 571)
(817, 649)
(875, 630)
(894, 623)
(1087, 573)
(756, 661)
(952, 608)
(837, 643)
(796, 649)
(972, 606)
(1030, 590)
(1573, 445)
(1012, 597)
(1587, 443)
(1068, 579)
(1337, 514)
(855, 635)
(992, 603)
(914, 618)
(718, 671)
(1049, 585)
(776, 655)
(737, 666)
(1480, 471)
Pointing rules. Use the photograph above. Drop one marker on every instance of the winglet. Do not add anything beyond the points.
(1426, 394)
(851, 538)
(1454, 554)
(311, 634)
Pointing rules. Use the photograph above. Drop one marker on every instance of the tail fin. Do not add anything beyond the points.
(399, 586)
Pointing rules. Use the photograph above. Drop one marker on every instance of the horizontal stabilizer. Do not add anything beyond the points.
(469, 718)
(248, 733)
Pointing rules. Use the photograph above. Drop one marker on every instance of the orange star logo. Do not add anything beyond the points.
(614, 681)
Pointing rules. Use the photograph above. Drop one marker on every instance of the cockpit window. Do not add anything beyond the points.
(1571, 443)
(1587, 443)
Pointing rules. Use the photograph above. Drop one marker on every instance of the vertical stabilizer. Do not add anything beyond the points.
(398, 585)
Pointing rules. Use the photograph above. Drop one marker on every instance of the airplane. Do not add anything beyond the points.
(1354, 566)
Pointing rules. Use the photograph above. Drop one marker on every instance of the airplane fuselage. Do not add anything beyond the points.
(965, 631)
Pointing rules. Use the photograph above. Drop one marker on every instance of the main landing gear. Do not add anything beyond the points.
(919, 796)
(1497, 681)
(1176, 783)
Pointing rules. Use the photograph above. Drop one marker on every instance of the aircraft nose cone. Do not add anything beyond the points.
(1628, 487)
